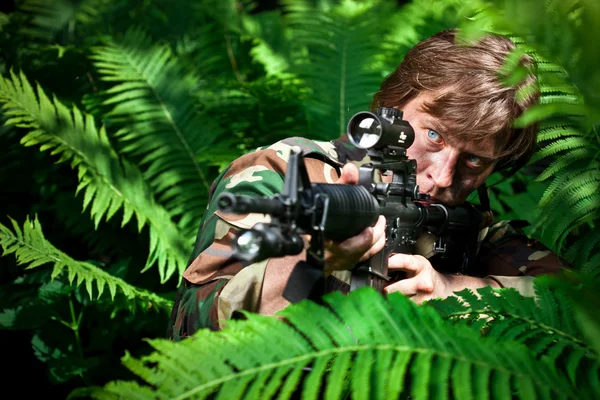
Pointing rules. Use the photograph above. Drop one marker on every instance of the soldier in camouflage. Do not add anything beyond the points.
(463, 121)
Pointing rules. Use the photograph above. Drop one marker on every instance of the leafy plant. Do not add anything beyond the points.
(558, 34)
(33, 249)
(110, 183)
(114, 131)
(365, 346)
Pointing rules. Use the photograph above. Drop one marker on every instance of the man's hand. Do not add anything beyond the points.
(423, 282)
(346, 254)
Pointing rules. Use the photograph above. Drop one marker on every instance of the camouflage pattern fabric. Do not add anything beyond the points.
(215, 285)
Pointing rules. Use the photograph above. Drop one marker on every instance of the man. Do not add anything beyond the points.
(462, 114)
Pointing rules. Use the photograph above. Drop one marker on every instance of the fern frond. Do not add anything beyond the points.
(571, 198)
(590, 268)
(419, 19)
(32, 249)
(572, 188)
(273, 44)
(50, 17)
(162, 124)
(585, 211)
(573, 160)
(546, 324)
(341, 46)
(541, 112)
(553, 132)
(109, 183)
(586, 246)
(361, 345)
(570, 143)
(205, 50)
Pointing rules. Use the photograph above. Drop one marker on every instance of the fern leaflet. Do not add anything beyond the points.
(49, 19)
(568, 109)
(31, 247)
(109, 182)
(546, 324)
(340, 48)
(382, 348)
(162, 124)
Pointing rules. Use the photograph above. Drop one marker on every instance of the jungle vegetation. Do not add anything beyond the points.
(118, 114)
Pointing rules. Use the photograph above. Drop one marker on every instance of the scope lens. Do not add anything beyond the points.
(365, 132)
(249, 244)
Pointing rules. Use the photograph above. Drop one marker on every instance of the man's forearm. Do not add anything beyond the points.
(457, 283)
(279, 270)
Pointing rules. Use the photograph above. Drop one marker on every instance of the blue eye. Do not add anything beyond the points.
(433, 135)
(474, 160)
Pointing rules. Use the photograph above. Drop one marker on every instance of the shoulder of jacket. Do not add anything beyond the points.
(325, 150)
(268, 164)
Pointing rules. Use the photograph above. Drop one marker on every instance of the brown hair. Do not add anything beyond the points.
(470, 98)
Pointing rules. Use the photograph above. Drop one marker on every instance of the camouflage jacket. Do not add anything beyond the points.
(215, 285)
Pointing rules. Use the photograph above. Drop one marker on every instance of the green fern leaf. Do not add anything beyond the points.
(583, 248)
(203, 48)
(567, 144)
(546, 326)
(49, 18)
(591, 268)
(341, 45)
(162, 124)
(586, 209)
(546, 111)
(574, 191)
(434, 356)
(272, 42)
(31, 247)
(578, 156)
(109, 183)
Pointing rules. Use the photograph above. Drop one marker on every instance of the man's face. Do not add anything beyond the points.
(448, 169)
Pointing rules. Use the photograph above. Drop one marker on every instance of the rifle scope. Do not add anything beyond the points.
(386, 128)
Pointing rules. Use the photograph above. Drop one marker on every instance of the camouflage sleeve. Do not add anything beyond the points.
(510, 258)
(216, 285)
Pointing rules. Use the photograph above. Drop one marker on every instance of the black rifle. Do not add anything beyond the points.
(338, 212)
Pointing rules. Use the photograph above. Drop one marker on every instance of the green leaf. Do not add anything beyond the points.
(108, 181)
(427, 350)
(30, 247)
(162, 124)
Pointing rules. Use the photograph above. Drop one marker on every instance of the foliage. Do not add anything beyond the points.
(365, 346)
(33, 249)
(110, 184)
(559, 36)
(114, 131)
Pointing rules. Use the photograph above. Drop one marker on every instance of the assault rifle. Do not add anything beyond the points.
(338, 212)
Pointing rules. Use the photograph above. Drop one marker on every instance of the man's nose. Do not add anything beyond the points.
(442, 173)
